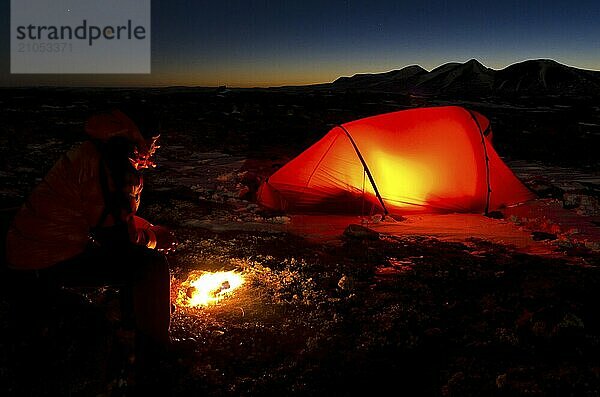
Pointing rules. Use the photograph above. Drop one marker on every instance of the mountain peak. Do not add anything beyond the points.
(472, 78)
(473, 61)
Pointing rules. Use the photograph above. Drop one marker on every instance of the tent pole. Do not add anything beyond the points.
(366, 168)
(487, 163)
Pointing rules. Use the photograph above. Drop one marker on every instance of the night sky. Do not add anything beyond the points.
(270, 43)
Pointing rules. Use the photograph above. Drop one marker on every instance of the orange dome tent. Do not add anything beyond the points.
(423, 160)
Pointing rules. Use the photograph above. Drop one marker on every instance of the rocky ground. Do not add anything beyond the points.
(362, 314)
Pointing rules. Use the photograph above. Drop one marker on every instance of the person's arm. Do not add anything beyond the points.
(142, 233)
(153, 236)
(140, 230)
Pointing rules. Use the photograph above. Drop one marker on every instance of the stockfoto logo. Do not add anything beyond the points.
(80, 36)
(90, 33)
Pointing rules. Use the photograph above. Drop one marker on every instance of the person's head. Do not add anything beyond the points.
(132, 125)
(146, 118)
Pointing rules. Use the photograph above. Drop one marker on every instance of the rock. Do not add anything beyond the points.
(565, 244)
(590, 206)
(376, 218)
(345, 283)
(495, 215)
(507, 336)
(433, 332)
(360, 232)
(584, 203)
(545, 189)
(540, 329)
(283, 220)
(571, 201)
(569, 324)
(541, 236)
(524, 318)
(501, 381)
(592, 245)
(243, 192)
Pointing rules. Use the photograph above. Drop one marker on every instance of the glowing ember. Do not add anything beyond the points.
(208, 288)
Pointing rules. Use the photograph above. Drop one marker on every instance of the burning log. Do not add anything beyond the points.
(206, 288)
(190, 292)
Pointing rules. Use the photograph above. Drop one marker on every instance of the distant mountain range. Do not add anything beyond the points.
(533, 77)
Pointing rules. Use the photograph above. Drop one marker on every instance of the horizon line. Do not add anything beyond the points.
(225, 86)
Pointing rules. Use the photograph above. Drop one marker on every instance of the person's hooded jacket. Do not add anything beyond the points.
(58, 220)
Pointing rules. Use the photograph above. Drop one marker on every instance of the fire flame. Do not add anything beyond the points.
(142, 159)
(208, 288)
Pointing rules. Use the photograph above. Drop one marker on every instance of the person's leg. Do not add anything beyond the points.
(142, 271)
(97, 268)
(143, 279)
(151, 294)
(141, 274)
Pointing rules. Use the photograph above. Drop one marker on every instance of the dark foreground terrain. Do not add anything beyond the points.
(358, 315)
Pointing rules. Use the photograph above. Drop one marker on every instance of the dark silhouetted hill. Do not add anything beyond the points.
(532, 77)
(453, 78)
(546, 76)
(396, 79)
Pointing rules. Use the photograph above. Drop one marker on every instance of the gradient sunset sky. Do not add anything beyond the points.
(272, 43)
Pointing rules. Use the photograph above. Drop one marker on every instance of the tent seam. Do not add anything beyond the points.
(316, 167)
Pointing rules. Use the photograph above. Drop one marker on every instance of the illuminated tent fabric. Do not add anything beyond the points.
(422, 160)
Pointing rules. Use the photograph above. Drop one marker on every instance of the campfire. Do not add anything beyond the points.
(207, 288)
